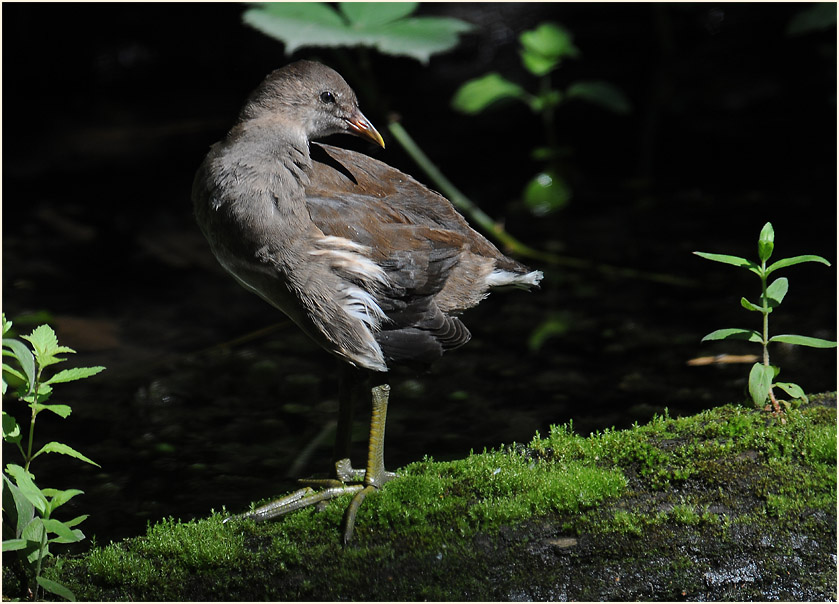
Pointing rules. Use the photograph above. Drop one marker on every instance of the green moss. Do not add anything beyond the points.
(436, 532)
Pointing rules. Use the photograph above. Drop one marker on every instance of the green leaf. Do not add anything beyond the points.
(794, 390)
(64, 532)
(23, 511)
(45, 343)
(373, 14)
(300, 24)
(62, 410)
(749, 306)
(54, 447)
(476, 95)
(601, 93)
(419, 37)
(544, 47)
(24, 358)
(538, 64)
(760, 382)
(776, 291)
(11, 545)
(24, 482)
(76, 521)
(34, 530)
(734, 333)
(803, 341)
(11, 430)
(56, 588)
(734, 260)
(546, 192)
(550, 40)
(59, 498)
(795, 260)
(766, 242)
(70, 375)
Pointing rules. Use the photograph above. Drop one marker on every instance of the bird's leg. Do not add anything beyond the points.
(375, 476)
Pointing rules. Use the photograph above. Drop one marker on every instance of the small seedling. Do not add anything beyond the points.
(28, 509)
(762, 375)
(543, 50)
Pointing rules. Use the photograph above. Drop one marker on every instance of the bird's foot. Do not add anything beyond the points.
(348, 481)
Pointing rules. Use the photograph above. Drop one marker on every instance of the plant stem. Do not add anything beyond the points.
(28, 456)
(548, 116)
(41, 549)
(765, 298)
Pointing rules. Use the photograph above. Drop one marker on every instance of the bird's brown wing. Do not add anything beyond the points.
(413, 233)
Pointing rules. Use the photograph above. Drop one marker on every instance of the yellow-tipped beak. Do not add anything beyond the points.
(361, 126)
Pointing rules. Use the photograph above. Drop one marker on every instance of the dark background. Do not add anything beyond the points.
(210, 398)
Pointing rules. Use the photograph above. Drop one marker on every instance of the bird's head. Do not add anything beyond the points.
(313, 96)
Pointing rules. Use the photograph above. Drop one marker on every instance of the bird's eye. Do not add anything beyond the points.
(327, 97)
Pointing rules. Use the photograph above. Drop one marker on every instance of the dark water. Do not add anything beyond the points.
(212, 399)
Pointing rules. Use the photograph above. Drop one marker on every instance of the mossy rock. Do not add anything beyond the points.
(729, 504)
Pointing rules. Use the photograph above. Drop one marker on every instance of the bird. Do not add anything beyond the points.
(372, 265)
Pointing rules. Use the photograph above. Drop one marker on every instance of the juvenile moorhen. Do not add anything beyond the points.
(368, 262)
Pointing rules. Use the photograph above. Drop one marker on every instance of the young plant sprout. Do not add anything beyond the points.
(29, 527)
(761, 385)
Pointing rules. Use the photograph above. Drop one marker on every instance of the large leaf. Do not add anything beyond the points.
(601, 93)
(803, 341)
(476, 95)
(795, 260)
(734, 333)
(385, 27)
(372, 14)
(70, 375)
(54, 447)
(760, 382)
(419, 37)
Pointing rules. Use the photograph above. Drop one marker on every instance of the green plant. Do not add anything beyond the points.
(387, 26)
(28, 509)
(762, 375)
(542, 51)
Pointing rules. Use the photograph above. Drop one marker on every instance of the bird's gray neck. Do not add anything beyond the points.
(266, 169)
